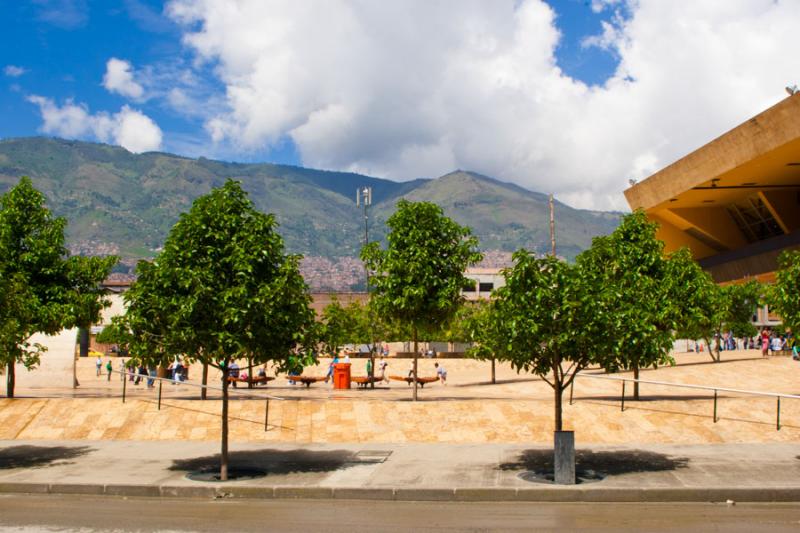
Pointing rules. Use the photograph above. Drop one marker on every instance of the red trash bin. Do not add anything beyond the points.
(341, 376)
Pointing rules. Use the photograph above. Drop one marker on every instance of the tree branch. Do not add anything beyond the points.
(572, 377)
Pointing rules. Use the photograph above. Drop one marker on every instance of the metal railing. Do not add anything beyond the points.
(776, 395)
(128, 374)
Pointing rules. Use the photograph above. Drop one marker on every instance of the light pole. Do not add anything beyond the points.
(364, 198)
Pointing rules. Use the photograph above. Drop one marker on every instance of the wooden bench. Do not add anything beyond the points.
(421, 380)
(255, 381)
(363, 381)
(262, 379)
(307, 380)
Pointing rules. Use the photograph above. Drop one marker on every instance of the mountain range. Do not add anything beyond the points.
(124, 203)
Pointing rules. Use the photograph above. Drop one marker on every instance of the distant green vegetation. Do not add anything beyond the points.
(113, 197)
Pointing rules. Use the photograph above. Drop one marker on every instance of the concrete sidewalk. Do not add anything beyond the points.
(480, 472)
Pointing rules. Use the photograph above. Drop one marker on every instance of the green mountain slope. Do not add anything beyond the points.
(119, 202)
(508, 217)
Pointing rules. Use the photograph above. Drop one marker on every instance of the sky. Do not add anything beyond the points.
(571, 97)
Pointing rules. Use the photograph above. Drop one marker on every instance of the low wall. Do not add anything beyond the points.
(439, 355)
(57, 366)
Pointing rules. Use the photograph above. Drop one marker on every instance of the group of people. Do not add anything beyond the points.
(99, 364)
(381, 366)
(773, 342)
(768, 341)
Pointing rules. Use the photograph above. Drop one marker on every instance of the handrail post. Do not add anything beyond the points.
(778, 415)
(160, 383)
(266, 417)
(124, 385)
(622, 406)
(715, 406)
(571, 389)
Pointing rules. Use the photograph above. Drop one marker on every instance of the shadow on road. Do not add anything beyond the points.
(36, 456)
(273, 461)
(609, 463)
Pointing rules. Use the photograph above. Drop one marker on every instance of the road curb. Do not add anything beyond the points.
(466, 494)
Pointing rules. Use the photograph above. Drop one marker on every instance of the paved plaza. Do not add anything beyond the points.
(518, 409)
(468, 440)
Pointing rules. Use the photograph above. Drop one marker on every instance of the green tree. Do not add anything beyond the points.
(339, 326)
(86, 293)
(417, 280)
(650, 294)
(782, 296)
(222, 289)
(730, 309)
(475, 321)
(549, 319)
(43, 289)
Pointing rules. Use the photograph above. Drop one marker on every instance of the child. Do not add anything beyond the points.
(442, 373)
(108, 369)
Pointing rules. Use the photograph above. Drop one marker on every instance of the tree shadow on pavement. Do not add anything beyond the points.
(36, 456)
(609, 463)
(273, 461)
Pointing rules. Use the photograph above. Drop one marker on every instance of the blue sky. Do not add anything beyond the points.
(63, 47)
(571, 97)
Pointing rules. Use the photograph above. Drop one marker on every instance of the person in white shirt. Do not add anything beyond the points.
(442, 373)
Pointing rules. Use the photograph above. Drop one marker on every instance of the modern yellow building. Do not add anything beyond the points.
(735, 202)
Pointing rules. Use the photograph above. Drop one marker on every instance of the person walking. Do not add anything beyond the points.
(141, 373)
(764, 342)
(334, 361)
(109, 368)
(382, 367)
(122, 368)
(99, 364)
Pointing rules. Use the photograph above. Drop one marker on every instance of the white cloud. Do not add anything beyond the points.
(598, 6)
(64, 14)
(128, 128)
(418, 88)
(13, 71)
(119, 79)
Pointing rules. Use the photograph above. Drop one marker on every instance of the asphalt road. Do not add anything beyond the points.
(24, 513)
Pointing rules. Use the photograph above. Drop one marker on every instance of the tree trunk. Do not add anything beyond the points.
(10, 380)
(83, 340)
(416, 356)
(249, 372)
(493, 373)
(371, 373)
(203, 390)
(636, 383)
(557, 397)
(710, 349)
(557, 389)
(223, 465)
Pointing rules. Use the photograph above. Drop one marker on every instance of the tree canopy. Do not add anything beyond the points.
(783, 297)
(43, 288)
(417, 280)
(649, 293)
(549, 319)
(222, 288)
